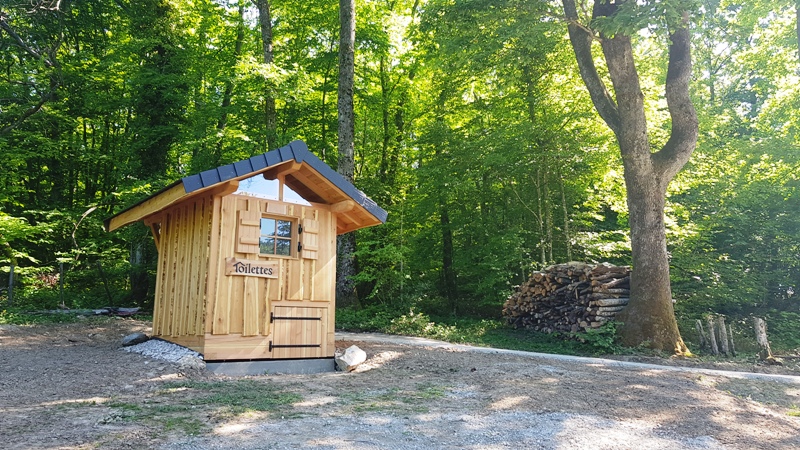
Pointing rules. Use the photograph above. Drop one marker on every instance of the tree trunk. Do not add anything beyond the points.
(649, 318)
(797, 25)
(540, 218)
(712, 337)
(698, 325)
(448, 272)
(345, 286)
(760, 326)
(723, 336)
(565, 211)
(139, 278)
(227, 95)
(270, 114)
(730, 335)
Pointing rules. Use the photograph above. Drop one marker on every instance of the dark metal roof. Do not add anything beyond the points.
(295, 150)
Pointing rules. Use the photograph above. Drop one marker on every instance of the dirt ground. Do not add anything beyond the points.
(72, 387)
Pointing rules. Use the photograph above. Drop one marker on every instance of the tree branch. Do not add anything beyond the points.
(20, 43)
(683, 137)
(29, 112)
(581, 39)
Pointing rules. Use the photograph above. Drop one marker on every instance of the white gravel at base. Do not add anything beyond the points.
(163, 350)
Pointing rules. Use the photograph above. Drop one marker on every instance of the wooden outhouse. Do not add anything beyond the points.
(247, 255)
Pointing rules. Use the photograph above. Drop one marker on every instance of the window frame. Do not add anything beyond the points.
(293, 236)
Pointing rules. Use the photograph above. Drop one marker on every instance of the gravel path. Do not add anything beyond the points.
(72, 387)
(595, 362)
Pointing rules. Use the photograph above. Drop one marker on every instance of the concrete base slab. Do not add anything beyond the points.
(287, 366)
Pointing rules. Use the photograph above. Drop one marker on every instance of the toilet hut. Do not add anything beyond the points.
(247, 255)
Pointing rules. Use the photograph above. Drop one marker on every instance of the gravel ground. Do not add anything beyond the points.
(163, 350)
(72, 387)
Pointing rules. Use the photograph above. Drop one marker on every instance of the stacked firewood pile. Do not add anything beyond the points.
(569, 297)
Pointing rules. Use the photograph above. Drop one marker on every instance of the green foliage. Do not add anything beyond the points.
(473, 130)
(603, 339)
(627, 18)
(418, 324)
(371, 318)
(17, 316)
(782, 331)
(481, 332)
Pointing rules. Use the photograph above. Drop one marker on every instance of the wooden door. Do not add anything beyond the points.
(299, 332)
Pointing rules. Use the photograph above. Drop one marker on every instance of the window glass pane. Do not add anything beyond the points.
(258, 186)
(284, 247)
(267, 245)
(268, 227)
(291, 196)
(284, 228)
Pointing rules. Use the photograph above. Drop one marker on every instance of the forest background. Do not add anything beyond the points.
(473, 129)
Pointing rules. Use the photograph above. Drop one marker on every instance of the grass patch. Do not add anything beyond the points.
(238, 396)
(122, 406)
(20, 317)
(186, 406)
(481, 332)
(186, 424)
(395, 400)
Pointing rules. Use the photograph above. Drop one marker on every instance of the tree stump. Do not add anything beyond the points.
(712, 338)
(723, 336)
(765, 354)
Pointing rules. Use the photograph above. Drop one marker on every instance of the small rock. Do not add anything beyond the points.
(133, 339)
(191, 362)
(350, 359)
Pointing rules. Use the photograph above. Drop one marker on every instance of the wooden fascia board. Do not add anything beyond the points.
(147, 207)
(346, 228)
(164, 200)
(343, 207)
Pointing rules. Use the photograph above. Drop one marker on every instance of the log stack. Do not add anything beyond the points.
(569, 298)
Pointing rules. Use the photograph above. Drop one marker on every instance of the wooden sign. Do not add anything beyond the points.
(249, 268)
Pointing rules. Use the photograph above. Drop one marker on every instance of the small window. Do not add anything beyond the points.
(276, 237)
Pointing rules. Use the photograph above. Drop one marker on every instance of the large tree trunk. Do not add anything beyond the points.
(649, 318)
(270, 114)
(227, 96)
(797, 25)
(345, 286)
(448, 271)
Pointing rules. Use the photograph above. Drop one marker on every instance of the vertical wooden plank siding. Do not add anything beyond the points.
(161, 273)
(169, 291)
(196, 240)
(214, 262)
(199, 256)
(179, 299)
(222, 306)
(183, 256)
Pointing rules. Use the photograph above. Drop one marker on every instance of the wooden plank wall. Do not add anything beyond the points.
(241, 305)
(183, 248)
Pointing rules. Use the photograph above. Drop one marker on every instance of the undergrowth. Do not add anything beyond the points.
(481, 332)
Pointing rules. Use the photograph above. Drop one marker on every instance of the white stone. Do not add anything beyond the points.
(350, 359)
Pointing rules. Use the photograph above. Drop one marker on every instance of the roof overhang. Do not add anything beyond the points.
(302, 171)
